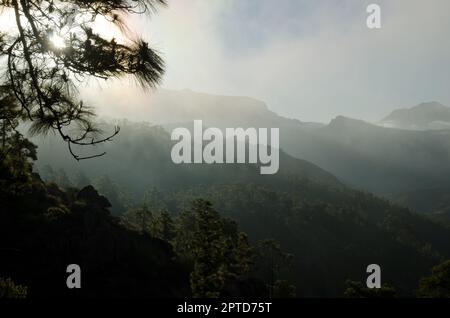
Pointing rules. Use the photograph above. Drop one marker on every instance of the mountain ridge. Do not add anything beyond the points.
(387, 161)
(428, 115)
(341, 230)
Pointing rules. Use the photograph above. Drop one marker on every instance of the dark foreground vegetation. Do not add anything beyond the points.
(303, 238)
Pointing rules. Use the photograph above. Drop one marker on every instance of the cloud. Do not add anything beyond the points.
(312, 60)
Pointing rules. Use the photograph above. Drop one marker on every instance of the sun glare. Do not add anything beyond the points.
(57, 41)
(108, 30)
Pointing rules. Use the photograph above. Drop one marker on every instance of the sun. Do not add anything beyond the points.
(57, 41)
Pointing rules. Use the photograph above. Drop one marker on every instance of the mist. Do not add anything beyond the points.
(307, 60)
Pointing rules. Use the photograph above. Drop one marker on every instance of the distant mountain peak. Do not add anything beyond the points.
(342, 121)
(428, 115)
(168, 107)
(432, 104)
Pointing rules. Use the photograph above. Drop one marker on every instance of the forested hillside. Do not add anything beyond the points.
(381, 160)
(332, 231)
(114, 186)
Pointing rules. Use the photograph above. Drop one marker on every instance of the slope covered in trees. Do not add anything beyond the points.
(43, 229)
(332, 232)
(378, 159)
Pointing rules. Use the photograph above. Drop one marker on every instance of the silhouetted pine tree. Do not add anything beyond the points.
(54, 47)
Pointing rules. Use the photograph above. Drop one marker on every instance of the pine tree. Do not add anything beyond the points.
(221, 255)
(210, 270)
(154, 199)
(55, 47)
(16, 152)
(272, 259)
(436, 285)
(140, 219)
(164, 227)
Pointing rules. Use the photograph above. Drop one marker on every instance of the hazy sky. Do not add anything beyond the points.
(308, 59)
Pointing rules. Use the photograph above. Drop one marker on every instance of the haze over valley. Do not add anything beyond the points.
(224, 149)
